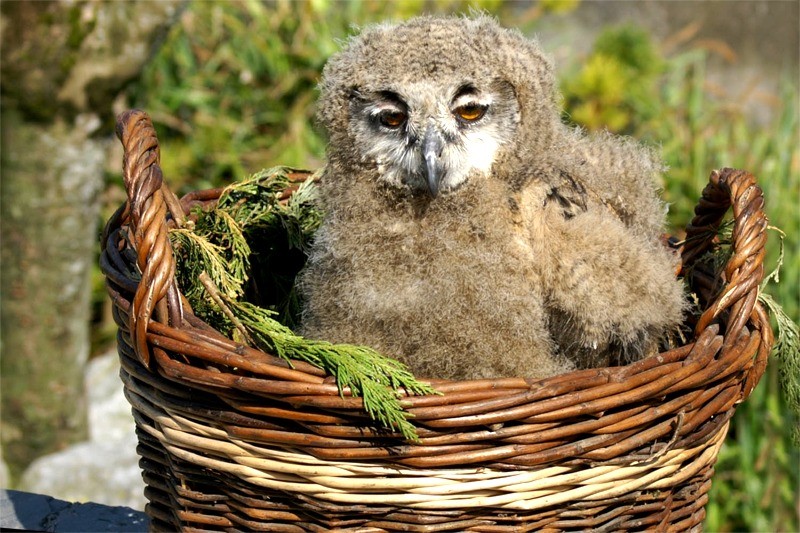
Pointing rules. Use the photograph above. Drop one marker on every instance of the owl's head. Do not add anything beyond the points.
(432, 103)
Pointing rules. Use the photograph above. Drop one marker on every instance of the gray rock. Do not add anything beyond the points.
(102, 472)
(22, 510)
(4, 475)
(104, 469)
(110, 415)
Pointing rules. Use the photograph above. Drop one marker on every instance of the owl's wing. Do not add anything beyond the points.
(569, 194)
(574, 198)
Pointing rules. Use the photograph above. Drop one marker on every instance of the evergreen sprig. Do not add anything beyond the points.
(787, 341)
(217, 248)
(367, 373)
(255, 204)
(196, 252)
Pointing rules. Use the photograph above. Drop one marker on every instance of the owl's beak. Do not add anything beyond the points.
(432, 145)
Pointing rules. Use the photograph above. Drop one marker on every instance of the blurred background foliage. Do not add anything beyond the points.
(233, 90)
(616, 87)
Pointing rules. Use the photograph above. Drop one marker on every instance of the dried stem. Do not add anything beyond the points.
(215, 295)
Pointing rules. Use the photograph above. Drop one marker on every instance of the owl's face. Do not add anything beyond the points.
(432, 136)
(433, 103)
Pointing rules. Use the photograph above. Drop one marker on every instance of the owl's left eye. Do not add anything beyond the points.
(470, 112)
(392, 119)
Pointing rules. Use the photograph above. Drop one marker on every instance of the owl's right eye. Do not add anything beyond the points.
(470, 112)
(392, 119)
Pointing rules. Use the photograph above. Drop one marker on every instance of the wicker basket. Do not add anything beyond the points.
(232, 438)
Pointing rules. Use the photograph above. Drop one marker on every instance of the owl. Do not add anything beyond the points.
(468, 232)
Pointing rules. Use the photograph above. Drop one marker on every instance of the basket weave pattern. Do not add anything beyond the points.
(231, 437)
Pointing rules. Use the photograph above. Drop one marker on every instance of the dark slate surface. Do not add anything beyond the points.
(35, 512)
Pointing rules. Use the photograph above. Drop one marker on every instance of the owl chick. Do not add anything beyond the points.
(468, 232)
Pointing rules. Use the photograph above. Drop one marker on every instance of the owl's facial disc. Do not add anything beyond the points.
(432, 139)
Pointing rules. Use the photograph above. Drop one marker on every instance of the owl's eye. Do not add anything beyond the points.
(392, 119)
(470, 112)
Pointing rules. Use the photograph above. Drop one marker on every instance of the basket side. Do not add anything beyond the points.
(232, 437)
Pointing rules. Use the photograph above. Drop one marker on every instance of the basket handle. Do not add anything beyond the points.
(147, 206)
(744, 270)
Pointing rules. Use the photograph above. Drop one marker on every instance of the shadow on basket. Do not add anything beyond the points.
(232, 437)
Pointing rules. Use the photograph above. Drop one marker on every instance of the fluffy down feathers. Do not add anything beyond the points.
(548, 262)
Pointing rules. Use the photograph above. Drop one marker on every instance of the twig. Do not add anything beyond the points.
(668, 446)
(213, 291)
(173, 206)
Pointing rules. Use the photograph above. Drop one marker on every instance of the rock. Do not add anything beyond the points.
(95, 471)
(104, 469)
(5, 479)
(25, 511)
(110, 415)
